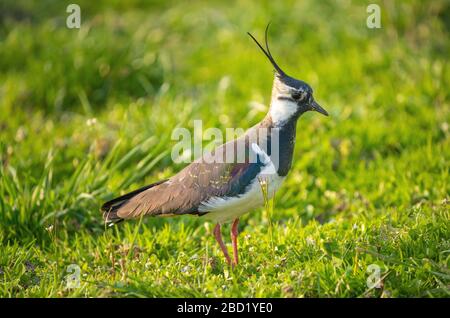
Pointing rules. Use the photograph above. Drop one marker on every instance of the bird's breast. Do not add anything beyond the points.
(226, 209)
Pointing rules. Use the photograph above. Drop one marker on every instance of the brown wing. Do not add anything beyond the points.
(184, 192)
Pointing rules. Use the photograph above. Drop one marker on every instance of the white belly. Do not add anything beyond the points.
(226, 209)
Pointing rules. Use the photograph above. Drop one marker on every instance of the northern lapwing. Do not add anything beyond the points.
(232, 181)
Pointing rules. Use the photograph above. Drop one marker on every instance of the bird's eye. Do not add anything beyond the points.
(300, 95)
(296, 95)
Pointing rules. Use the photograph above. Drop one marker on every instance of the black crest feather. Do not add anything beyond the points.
(267, 51)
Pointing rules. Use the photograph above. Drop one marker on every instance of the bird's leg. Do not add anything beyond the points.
(218, 236)
(234, 235)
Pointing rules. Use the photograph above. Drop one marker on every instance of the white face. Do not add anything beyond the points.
(281, 110)
(290, 99)
(285, 102)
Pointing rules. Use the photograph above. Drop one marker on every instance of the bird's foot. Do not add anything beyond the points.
(218, 236)
(234, 235)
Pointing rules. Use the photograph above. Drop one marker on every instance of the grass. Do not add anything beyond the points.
(88, 114)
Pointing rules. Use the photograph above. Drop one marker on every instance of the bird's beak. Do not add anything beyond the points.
(315, 106)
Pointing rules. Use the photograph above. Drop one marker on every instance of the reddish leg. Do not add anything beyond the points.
(234, 235)
(218, 236)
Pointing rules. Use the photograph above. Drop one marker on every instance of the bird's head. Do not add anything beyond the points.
(290, 97)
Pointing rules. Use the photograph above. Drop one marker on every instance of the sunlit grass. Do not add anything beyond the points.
(87, 115)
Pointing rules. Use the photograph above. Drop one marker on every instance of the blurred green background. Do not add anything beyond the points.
(87, 114)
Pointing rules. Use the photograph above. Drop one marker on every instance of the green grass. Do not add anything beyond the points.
(88, 114)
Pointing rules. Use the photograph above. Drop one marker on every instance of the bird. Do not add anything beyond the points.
(239, 175)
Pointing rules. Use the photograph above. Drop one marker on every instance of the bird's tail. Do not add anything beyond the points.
(111, 208)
